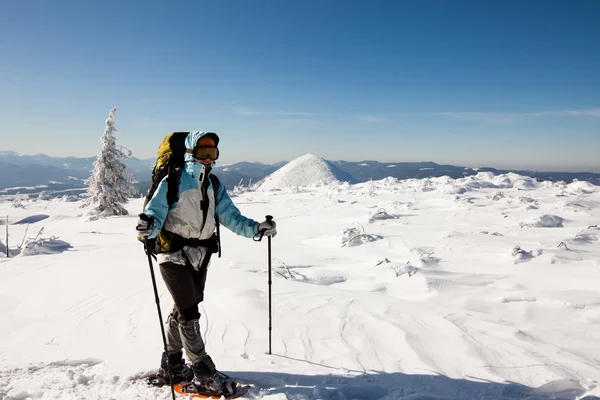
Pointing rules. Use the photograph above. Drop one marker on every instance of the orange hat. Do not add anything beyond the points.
(206, 141)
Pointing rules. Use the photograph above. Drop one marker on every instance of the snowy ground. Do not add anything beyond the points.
(480, 288)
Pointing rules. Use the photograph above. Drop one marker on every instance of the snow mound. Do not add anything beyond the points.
(503, 181)
(512, 180)
(580, 187)
(308, 170)
(544, 221)
(45, 246)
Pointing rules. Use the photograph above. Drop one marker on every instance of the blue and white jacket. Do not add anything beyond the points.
(185, 216)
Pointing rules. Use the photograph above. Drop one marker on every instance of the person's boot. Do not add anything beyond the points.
(179, 370)
(217, 384)
(207, 380)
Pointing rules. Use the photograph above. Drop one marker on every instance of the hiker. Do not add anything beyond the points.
(185, 239)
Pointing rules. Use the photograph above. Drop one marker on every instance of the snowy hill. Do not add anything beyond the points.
(308, 170)
(483, 287)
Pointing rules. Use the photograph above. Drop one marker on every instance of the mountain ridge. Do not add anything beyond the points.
(35, 171)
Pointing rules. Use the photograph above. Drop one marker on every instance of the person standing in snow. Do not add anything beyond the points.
(186, 232)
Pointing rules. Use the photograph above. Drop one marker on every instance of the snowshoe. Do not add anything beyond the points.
(161, 378)
(213, 386)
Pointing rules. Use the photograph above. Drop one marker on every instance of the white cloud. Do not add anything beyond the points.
(252, 112)
(371, 119)
(507, 118)
(487, 117)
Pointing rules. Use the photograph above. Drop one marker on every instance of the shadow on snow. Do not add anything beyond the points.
(381, 385)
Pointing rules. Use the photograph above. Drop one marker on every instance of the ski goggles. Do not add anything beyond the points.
(202, 152)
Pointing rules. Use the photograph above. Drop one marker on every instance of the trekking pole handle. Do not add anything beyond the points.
(259, 235)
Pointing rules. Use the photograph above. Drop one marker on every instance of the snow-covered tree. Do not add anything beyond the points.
(111, 183)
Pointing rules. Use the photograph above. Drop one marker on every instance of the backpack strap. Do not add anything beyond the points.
(216, 185)
(173, 177)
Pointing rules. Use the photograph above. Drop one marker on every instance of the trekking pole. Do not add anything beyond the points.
(257, 238)
(269, 219)
(160, 319)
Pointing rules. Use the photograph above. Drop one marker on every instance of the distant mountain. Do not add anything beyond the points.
(375, 170)
(305, 171)
(245, 173)
(242, 173)
(139, 167)
(33, 173)
(12, 175)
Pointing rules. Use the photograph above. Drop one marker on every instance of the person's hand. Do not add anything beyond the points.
(268, 228)
(144, 226)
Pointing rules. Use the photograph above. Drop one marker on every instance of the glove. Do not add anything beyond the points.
(268, 228)
(144, 226)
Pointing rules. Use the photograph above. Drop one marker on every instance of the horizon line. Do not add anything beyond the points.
(545, 169)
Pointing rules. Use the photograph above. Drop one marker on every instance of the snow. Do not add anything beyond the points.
(446, 297)
(308, 170)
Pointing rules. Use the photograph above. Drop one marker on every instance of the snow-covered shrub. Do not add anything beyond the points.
(50, 245)
(111, 183)
(585, 237)
(37, 245)
(381, 214)
(399, 268)
(297, 189)
(425, 187)
(19, 201)
(350, 237)
(369, 189)
(493, 234)
(44, 196)
(544, 221)
(498, 196)
(520, 255)
(428, 259)
(527, 200)
(67, 199)
(239, 188)
(402, 205)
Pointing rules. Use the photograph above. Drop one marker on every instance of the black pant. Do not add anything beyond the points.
(186, 286)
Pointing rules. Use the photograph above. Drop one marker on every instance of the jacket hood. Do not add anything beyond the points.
(190, 142)
(192, 139)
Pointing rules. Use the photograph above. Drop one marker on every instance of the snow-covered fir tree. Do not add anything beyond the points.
(111, 183)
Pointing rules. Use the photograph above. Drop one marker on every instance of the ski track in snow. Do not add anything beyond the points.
(450, 315)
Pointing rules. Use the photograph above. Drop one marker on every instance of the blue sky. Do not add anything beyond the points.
(478, 83)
